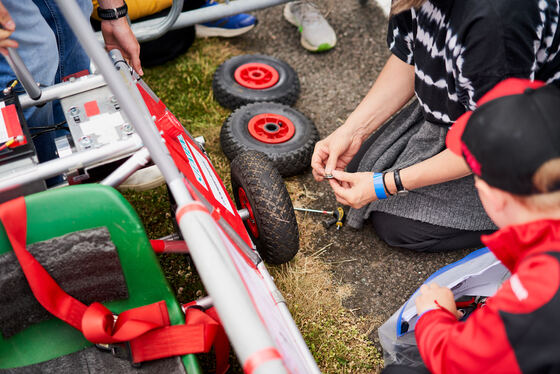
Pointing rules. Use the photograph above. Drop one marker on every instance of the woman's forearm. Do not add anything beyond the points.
(393, 88)
(443, 167)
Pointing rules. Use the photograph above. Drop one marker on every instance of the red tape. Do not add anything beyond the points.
(259, 358)
(190, 207)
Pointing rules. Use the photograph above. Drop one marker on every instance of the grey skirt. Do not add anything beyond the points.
(406, 140)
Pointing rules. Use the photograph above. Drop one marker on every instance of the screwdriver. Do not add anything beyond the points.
(329, 212)
(338, 216)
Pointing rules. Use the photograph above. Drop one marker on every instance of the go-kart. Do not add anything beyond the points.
(117, 123)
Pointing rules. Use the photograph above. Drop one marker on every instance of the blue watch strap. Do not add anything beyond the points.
(378, 186)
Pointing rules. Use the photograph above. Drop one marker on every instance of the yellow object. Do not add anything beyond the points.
(339, 217)
(139, 8)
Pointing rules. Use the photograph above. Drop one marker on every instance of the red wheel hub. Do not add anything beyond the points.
(256, 76)
(245, 204)
(271, 128)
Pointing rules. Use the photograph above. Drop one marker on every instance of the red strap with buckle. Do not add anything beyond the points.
(147, 328)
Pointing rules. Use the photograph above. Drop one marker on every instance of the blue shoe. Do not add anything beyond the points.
(226, 27)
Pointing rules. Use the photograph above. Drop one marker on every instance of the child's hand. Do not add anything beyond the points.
(431, 293)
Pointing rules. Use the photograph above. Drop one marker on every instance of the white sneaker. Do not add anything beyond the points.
(316, 33)
(143, 179)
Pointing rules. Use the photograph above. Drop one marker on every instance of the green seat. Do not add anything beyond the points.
(57, 212)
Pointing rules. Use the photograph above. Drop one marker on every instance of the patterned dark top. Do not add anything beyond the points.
(461, 48)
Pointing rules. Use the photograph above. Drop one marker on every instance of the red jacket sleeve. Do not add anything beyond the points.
(449, 346)
(481, 343)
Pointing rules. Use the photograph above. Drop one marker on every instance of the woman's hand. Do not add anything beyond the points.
(8, 27)
(432, 293)
(353, 189)
(335, 152)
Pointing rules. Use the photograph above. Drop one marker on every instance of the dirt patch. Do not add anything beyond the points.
(375, 278)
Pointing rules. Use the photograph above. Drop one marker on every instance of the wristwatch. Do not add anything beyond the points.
(398, 183)
(112, 13)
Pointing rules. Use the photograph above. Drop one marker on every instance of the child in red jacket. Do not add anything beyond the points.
(512, 145)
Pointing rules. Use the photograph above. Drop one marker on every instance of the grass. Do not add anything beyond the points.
(337, 338)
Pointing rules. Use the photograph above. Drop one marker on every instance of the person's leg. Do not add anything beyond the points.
(422, 237)
(71, 56)
(37, 48)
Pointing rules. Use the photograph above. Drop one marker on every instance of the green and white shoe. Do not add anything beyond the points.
(316, 33)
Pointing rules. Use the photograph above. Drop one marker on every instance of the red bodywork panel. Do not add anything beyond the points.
(194, 164)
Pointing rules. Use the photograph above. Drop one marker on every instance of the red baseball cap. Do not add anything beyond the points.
(514, 131)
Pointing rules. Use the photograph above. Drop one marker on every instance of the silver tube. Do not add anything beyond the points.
(23, 74)
(119, 175)
(64, 89)
(241, 322)
(126, 93)
(212, 13)
(77, 160)
(145, 34)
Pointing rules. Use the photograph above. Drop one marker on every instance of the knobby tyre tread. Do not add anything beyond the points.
(229, 94)
(278, 240)
(290, 158)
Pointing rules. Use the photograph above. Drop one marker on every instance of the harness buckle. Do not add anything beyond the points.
(120, 350)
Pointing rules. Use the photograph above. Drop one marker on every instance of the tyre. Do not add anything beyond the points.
(259, 188)
(285, 135)
(254, 78)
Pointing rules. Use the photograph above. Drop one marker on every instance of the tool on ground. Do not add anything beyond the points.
(338, 216)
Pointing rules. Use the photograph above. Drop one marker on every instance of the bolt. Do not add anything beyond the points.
(127, 128)
(74, 111)
(85, 141)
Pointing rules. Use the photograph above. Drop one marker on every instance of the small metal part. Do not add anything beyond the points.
(85, 141)
(200, 140)
(329, 176)
(243, 213)
(74, 111)
(63, 146)
(114, 100)
(76, 119)
(127, 128)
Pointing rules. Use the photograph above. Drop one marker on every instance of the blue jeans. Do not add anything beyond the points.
(50, 51)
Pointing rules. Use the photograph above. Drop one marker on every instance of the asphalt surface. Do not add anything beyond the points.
(333, 83)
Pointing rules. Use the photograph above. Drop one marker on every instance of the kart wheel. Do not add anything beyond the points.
(285, 135)
(254, 78)
(259, 188)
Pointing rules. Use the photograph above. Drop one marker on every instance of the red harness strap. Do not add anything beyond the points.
(147, 328)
